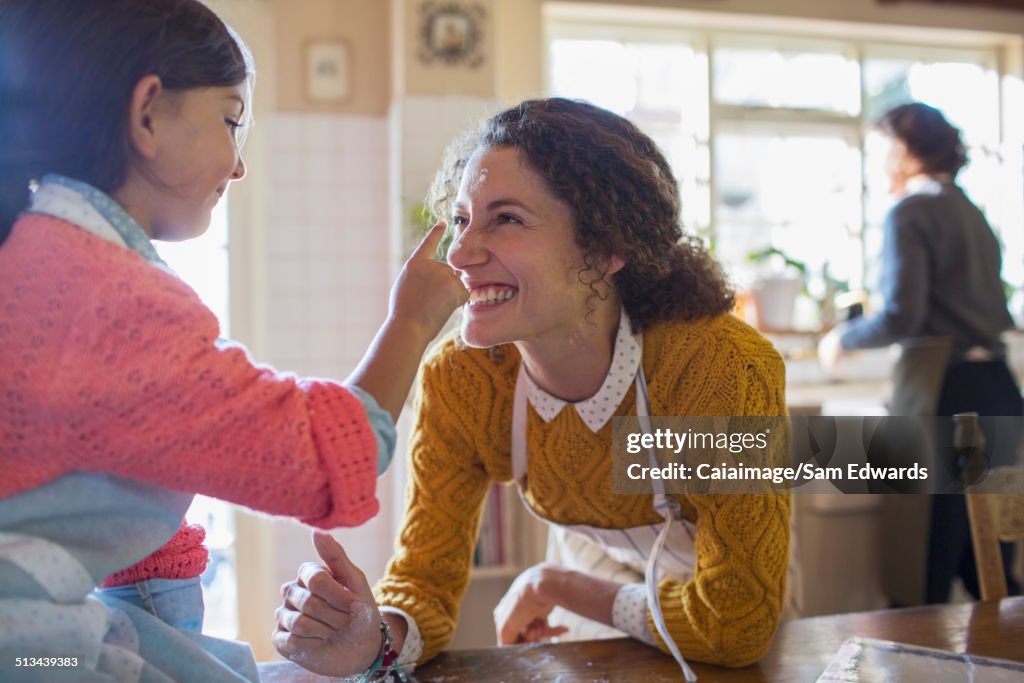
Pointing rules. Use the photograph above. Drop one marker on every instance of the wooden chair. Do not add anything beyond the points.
(995, 517)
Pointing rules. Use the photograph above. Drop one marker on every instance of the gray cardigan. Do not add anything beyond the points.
(940, 276)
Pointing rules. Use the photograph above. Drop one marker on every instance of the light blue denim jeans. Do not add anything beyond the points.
(177, 602)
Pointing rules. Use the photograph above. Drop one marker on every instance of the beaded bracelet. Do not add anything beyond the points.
(387, 659)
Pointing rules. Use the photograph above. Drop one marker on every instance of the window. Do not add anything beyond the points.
(761, 71)
(203, 264)
(770, 137)
(659, 84)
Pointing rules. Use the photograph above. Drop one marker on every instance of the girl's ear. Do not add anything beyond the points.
(142, 116)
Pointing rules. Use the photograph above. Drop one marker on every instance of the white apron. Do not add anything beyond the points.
(639, 546)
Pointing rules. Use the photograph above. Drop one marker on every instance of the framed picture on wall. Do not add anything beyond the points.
(450, 32)
(327, 71)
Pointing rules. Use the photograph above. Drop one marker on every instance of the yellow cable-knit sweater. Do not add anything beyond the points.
(728, 612)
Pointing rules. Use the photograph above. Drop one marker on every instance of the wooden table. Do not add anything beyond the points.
(801, 650)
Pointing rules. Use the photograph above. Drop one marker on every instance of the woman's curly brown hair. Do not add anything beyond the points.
(624, 199)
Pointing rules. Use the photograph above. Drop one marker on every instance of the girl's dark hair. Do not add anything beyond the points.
(67, 72)
(927, 135)
(624, 199)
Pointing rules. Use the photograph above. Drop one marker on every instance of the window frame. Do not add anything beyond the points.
(994, 52)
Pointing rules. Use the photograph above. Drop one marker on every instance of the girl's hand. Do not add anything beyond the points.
(427, 290)
(522, 614)
(423, 297)
(329, 622)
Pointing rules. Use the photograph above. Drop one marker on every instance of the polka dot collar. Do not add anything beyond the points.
(596, 410)
(95, 211)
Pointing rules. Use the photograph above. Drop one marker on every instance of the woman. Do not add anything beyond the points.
(944, 303)
(586, 302)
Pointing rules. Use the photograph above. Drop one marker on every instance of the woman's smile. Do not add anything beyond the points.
(490, 295)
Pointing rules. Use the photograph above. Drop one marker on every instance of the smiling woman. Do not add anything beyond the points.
(587, 302)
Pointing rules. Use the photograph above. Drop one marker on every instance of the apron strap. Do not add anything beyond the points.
(669, 509)
(519, 428)
(665, 506)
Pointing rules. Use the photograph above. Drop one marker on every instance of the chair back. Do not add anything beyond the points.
(995, 517)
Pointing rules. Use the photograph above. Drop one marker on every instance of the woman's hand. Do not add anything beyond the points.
(329, 622)
(830, 350)
(522, 614)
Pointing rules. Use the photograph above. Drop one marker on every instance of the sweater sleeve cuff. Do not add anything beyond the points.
(629, 612)
(382, 425)
(412, 649)
(348, 446)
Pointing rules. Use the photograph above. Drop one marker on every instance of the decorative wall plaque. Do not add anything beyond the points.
(451, 33)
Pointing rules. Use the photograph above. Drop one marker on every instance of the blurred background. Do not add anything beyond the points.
(763, 109)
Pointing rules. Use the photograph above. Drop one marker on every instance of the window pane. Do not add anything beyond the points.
(794, 78)
(599, 71)
(661, 88)
(203, 263)
(966, 92)
(646, 82)
(220, 585)
(799, 194)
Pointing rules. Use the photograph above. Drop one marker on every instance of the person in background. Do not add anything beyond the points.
(944, 303)
(120, 123)
(587, 302)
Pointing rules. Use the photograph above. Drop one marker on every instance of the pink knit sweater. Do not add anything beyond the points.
(182, 557)
(108, 364)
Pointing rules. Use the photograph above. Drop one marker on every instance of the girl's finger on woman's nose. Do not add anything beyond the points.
(427, 247)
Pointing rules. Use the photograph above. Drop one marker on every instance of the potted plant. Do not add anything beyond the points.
(775, 291)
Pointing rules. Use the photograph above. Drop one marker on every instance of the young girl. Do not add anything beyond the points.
(118, 402)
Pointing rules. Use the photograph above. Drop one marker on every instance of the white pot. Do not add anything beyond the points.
(773, 301)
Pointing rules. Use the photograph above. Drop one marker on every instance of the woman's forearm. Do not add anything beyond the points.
(583, 594)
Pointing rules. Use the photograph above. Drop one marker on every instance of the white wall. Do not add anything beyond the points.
(327, 240)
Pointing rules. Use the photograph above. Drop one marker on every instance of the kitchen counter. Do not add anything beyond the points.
(846, 397)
